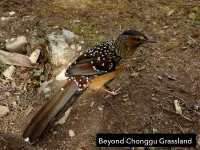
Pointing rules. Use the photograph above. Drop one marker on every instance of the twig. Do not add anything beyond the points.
(186, 118)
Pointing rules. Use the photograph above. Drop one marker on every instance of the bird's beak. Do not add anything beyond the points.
(150, 41)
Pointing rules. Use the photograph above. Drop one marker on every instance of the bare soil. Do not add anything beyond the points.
(160, 73)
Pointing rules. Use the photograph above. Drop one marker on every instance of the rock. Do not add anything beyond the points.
(134, 74)
(4, 110)
(92, 104)
(8, 73)
(71, 133)
(73, 46)
(55, 132)
(16, 44)
(155, 99)
(192, 15)
(170, 12)
(125, 99)
(125, 96)
(62, 51)
(14, 104)
(68, 35)
(159, 77)
(11, 13)
(34, 56)
(5, 18)
(100, 108)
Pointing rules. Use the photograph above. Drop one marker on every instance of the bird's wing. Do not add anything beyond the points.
(96, 61)
(84, 67)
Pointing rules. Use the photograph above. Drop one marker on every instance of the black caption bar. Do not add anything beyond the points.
(146, 140)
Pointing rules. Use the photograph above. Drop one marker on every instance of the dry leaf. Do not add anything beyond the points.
(177, 107)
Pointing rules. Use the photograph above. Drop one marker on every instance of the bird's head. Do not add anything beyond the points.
(129, 40)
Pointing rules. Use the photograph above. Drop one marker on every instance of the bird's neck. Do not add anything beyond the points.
(122, 48)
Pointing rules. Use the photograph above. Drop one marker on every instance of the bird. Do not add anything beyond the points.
(94, 68)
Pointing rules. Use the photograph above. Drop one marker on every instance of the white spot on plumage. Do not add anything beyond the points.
(94, 67)
(27, 140)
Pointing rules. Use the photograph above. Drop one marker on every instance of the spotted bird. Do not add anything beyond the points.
(100, 61)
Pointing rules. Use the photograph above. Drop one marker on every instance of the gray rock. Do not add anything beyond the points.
(68, 35)
(16, 44)
(63, 48)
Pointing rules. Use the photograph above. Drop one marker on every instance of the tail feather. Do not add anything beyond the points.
(42, 118)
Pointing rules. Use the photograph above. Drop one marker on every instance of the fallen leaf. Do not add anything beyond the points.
(177, 107)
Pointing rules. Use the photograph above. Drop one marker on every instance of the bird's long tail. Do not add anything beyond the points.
(47, 113)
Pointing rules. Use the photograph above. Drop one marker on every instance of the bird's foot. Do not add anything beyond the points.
(112, 92)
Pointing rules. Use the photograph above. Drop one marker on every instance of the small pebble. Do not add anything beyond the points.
(154, 99)
(92, 104)
(68, 35)
(4, 110)
(79, 48)
(125, 99)
(159, 77)
(125, 95)
(16, 43)
(71, 133)
(134, 74)
(170, 12)
(14, 104)
(11, 13)
(100, 108)
(55, 132)
(5, 18)
(82, 42)
(72, 46)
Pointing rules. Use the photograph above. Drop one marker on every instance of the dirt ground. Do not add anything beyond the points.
(160, 73)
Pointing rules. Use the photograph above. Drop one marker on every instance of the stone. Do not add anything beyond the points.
(4, 110)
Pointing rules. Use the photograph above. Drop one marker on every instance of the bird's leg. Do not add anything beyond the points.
(111, 92)
(99, 82)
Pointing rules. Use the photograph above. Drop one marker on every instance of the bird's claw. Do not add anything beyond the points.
(113, 92)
